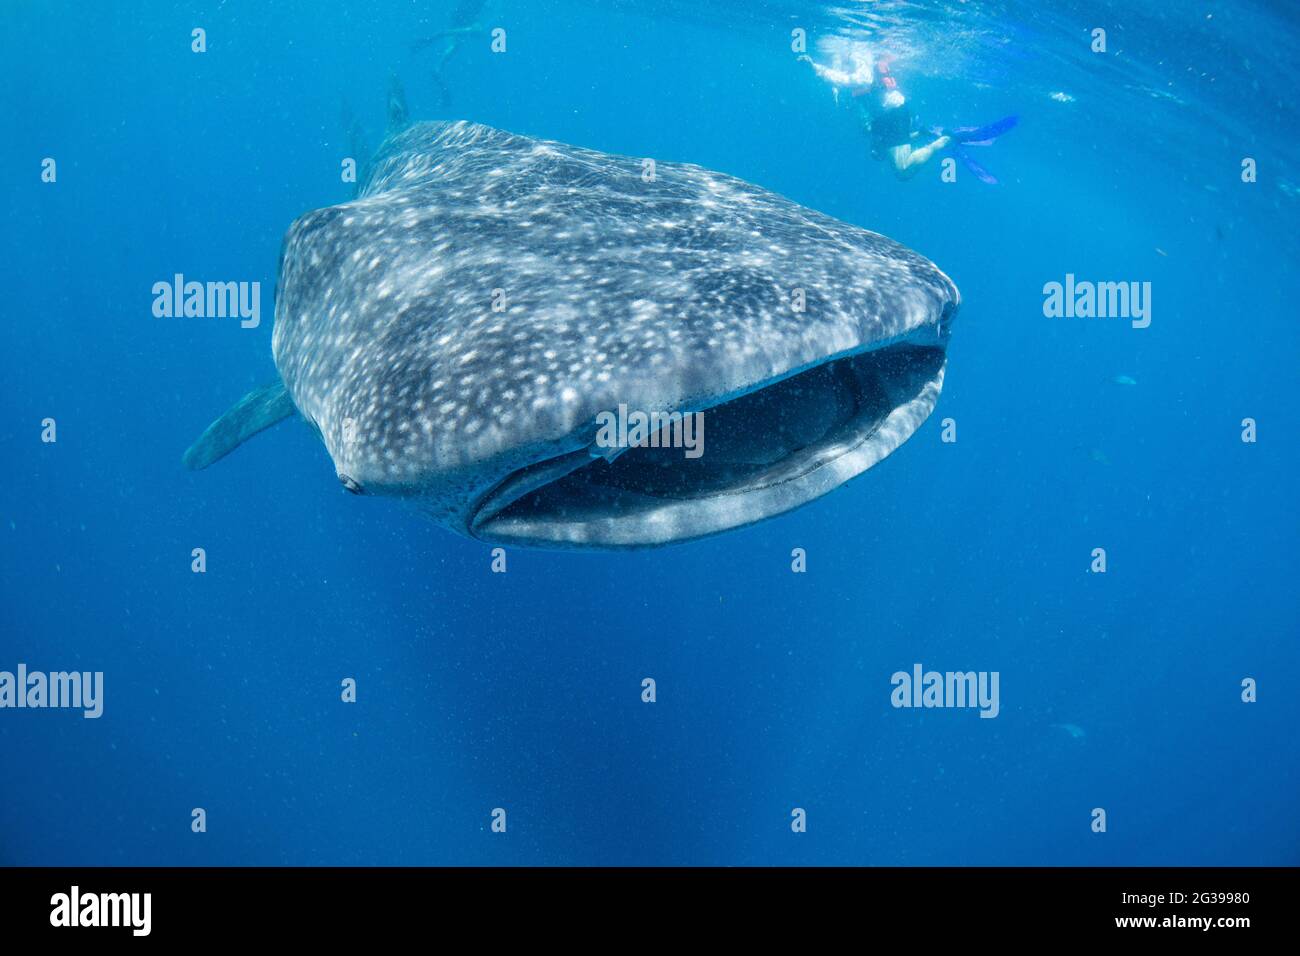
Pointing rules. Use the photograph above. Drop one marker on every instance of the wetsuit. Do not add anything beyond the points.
(890, 128)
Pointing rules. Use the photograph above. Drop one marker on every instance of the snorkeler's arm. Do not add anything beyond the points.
(827, 73)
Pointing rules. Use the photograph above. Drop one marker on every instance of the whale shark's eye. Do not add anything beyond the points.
(351, 485)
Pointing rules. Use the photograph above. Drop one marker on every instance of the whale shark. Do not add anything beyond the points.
(455, 333)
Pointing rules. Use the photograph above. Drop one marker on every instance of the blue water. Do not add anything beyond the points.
(523, 690)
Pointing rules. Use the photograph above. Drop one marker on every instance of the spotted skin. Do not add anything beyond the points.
(487, 294)
(453, 333)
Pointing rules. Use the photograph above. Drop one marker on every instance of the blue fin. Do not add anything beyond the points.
(983, 135)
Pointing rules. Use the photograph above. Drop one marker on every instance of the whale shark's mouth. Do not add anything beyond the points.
(767, 451)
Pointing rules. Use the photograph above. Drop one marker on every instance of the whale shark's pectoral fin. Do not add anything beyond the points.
(256, 411)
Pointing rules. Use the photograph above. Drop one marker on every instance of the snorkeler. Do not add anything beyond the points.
(889, 123)
(888, 119)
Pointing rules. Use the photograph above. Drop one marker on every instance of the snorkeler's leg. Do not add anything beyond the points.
(923, 154)
(907, 159)
(901, 157)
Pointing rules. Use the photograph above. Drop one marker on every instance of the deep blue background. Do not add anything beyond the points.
(522, 690)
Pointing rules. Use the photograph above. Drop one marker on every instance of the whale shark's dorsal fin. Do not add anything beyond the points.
(256, 411)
